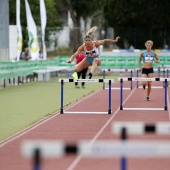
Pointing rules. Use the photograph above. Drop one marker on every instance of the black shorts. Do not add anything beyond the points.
(147, 70)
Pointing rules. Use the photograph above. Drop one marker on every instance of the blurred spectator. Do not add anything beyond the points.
(40, 54)
(82, 73)
(25, 55)
(131, 47)
(166, 46)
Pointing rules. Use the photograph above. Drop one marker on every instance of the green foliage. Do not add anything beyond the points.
(137, 13)
(51, 9)
(85, 9)
(82, 9)
(53, 20)
(140, 19)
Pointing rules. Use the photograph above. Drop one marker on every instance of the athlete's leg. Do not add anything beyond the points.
(150, 75)
(82, 65)
(84, 72)
(78, 75)
(144, 82)
(95, 64)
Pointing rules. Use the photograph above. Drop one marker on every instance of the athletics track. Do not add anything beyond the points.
(74, 127)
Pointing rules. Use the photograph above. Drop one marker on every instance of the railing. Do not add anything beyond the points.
(10, 69)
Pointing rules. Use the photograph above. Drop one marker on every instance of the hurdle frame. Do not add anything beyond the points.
(125, 128)
(144, 79)
(84, 80)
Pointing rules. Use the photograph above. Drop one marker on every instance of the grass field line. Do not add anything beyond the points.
(78, 158)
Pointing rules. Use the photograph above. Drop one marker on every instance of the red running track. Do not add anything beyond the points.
(75, 127)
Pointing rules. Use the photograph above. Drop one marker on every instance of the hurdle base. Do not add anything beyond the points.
(165, 108)
(143, 109)
(121, 107)
(118, 88)
(61, 111)
(109, 111)
(80, 112)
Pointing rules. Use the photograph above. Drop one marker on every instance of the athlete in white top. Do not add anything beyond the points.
(92, 54)
(147, 70)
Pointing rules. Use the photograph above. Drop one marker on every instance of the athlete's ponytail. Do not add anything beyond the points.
(90, 32)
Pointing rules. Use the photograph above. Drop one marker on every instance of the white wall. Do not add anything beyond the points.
(12, 42)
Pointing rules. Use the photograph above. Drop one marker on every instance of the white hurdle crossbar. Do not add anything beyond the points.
(62, 81)
(100, 148)
(87, 80)
(142, 79)
(165, 80)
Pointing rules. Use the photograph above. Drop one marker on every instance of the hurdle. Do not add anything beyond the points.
(165, 80)
(62, 81)
(39, 149)
(116, 70)
(125, 128)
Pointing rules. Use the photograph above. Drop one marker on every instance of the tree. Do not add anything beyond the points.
(138, 21)
(53, 20)
(82, 9)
